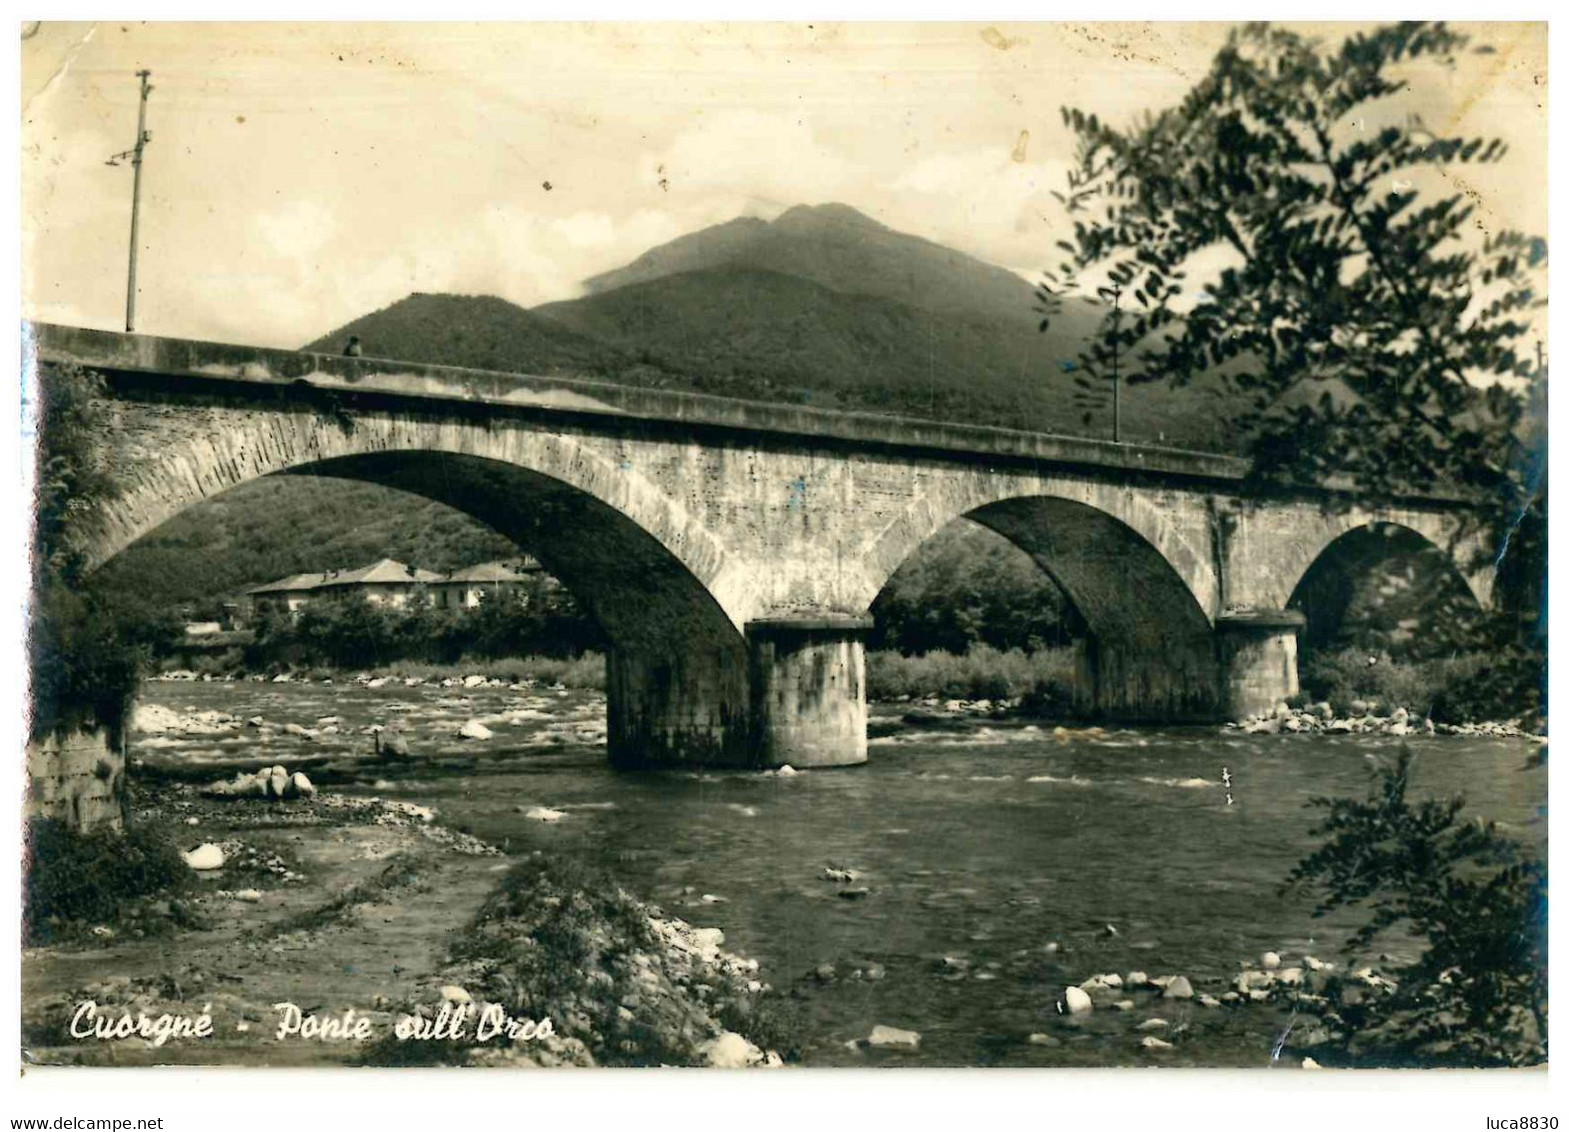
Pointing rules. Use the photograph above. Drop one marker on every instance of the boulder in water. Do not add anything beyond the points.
(474, 729)
(1077, 1001)
(1179, 987)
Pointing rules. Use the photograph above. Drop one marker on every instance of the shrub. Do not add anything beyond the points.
(982, 673)
(87, 877)
(1455, 689)
(1477, 995)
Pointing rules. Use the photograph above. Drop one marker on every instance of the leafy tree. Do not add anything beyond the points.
(1375, 341)
(86, 652)
(1477, 994)
(1273, 231)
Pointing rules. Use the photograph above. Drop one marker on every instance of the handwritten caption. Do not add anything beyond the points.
(465, 1022)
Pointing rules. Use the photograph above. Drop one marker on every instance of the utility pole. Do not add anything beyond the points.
(135, 154)
(1114, 292)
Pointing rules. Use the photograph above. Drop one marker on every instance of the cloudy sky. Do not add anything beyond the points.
(302, 175)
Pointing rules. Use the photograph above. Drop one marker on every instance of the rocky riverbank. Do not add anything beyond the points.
(369, 917)
(1363, 720)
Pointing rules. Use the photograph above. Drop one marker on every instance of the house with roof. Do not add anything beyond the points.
(467, 588)
(394, 584)
(286, 595)
(385, 582)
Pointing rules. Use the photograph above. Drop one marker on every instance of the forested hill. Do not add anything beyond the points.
(282, 525)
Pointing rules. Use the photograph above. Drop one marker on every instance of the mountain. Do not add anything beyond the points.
(843, 250)
(822, 305)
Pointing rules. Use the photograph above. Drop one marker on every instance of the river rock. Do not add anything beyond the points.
(786, 771)
(1209, 1000)
(204, 857)
(278, 783)
(544, 813)
(392, 745)
(1137, 979)
(1153, 1024)
(730, 1051)
(1044, 1040)
(1123, 1004)
(1309, 1063)
(301, 786)
(474, 729)
(842, 876)
(248, 896)
(456, 995)
(1154, 1043)
(1270, 960)
(891, 1037)
(473, 681)
(1179, 987)
(1251, 980)
(1077, 1001)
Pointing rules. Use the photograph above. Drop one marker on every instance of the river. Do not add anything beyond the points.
(981, 847)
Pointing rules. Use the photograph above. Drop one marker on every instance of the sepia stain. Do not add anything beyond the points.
(994, 38)
(548, 186)
(240, 118)
(1020, 146)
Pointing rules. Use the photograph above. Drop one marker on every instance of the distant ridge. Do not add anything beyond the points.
(822, 305)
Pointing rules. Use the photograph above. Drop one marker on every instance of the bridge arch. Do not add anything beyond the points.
(1428, 578)
(639, 564)
(1151, 651)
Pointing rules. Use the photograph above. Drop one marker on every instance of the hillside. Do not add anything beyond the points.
(771, 336)
(480, 331)
(281, 525)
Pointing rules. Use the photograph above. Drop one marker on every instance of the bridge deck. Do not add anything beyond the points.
(377, 379)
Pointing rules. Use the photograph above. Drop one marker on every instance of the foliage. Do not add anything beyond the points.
(1477, 994)
(1449, 689)
(538, 619)
(968, 585)
(88, 877)
(1375, 340)
(86, 651)
(1046, 677)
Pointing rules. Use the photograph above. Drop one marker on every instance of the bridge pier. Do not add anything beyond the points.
(1258, 656)
(808, 690)
(675, 708)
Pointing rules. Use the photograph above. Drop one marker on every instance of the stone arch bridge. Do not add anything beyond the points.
(731, 550)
